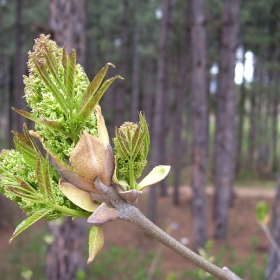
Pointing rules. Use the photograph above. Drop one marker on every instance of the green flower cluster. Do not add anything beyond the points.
(17, 175)
(45, 57)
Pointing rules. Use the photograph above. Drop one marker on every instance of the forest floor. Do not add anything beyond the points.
(245, 239)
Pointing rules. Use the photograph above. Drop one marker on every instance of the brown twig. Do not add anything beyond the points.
(132, 214)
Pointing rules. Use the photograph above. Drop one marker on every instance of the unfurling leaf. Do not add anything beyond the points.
(29, 221)
(156, 175)
(79, 197)
(96, 241)
(86, 110)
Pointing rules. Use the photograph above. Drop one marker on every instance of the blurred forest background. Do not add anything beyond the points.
(206, 74)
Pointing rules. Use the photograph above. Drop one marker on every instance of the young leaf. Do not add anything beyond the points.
(95, 83)
(48, 183)
(87, 108)
(139, 144)
(25, 185)
(23, 193)
(55, 91)
(52, 66)
(96, 241)
(29, 221)
(29, 139)
(25, 149)
(144, 125)
(54, 125)
(79, 197)
(41, 175)
(64, 63)
(156, 175)
(71, 65)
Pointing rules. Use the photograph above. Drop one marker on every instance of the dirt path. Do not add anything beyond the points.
(239, 191)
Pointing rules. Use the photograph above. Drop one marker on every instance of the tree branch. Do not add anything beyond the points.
(130, 213)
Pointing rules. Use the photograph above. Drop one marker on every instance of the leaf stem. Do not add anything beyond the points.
(131, 174)
(71, 212)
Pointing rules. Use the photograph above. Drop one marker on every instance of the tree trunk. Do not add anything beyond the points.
(121, 88)
(136, 67)
(148, 92)
(66, 255)
(241, 114)
(180, 100)
(273, 261)
(159, 101)
(199, 124)
(274, 136)
(67, 23)
(225, 124)
(18, 69)
(252, 118)
(7, 103)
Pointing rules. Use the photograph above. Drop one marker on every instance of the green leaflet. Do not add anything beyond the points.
(144, 125)
(22, 145)
(52, 66)
(29, 221)
(51, 86)
(54, 125)
(95, 84)
(156, 175)
(96, 241)
(71, 66)
(85, 110)
(41, 175)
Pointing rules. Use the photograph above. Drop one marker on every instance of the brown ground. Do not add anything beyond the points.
(242, 228)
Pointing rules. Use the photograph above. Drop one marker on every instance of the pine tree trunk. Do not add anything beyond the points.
(18, 69)
(273, 261)
(225, 124)
(136, 67)
(7, 104)
(66, 255)
(67, 23)
(180, 99)
(241, 114)
(274, 136)
(121, 88)
(159, 101)
(199, 124)
(252, 118)
(148, 92)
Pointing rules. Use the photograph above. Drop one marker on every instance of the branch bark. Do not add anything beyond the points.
(132, 214)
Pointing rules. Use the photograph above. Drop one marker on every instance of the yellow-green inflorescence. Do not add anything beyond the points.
(13, 167)
(43, 104)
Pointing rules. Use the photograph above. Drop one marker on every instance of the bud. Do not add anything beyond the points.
(132, 143)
